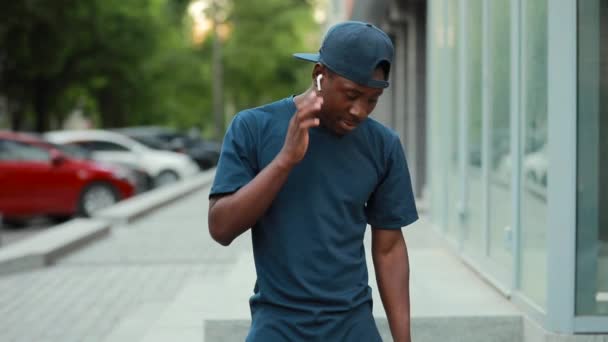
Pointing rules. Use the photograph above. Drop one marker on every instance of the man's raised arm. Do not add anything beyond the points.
(231, 215)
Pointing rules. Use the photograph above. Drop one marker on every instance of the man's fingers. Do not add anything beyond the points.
(310, 107)
(309, 123)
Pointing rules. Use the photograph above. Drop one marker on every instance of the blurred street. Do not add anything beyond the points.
(86, 295)
(113, 115)
(162, 278)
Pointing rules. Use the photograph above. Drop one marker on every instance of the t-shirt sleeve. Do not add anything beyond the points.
(392, 205)
(237, 164)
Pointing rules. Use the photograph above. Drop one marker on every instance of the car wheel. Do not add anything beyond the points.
(95, 197)
(165, 178)
(205, 164)
(57, 219)
(13, 224)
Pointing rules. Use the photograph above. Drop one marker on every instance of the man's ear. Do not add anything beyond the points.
(318, 69)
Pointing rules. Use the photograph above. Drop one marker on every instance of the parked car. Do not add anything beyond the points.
(165, 167)
(143, 180)
(206, 153)
(534, 165)
(37, 179)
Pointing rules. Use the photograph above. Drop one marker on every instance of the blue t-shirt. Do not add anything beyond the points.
(308, 246)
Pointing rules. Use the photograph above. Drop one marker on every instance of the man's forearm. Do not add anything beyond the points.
(231, 215)
(392, 277)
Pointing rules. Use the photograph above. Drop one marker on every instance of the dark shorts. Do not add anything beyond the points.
(270, 324)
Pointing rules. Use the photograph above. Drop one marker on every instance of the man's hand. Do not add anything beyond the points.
(297, 138)
(231, 215)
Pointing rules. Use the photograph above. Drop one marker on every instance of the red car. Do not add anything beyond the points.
(36, 179)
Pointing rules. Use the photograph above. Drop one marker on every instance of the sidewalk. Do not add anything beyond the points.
(161, 278)
(444, 292)
(139, 267)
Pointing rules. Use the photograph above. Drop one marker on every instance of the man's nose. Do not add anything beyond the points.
(358, 110)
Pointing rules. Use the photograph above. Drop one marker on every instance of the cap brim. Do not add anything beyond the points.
(309, 57)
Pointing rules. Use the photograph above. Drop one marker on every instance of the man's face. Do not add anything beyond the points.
(345, 103)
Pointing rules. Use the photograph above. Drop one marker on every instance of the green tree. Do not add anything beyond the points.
(259, 62)
(111, 53)
(52, 47)
(259, 40)
(134, 62)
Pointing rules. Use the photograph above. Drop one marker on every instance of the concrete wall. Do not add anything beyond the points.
(403, 105)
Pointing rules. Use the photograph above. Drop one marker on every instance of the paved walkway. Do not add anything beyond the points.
(162, 277)
(87, 295)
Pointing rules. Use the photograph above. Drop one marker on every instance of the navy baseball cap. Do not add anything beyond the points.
(353, 50)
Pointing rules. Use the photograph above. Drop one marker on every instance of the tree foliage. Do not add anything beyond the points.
(258, 54)
(133, 62)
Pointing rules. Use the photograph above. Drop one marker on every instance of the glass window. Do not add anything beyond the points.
(500, 208)
(473, 239)
(33, 153)
(9, 151)
(152, 142)
(103, 146)
(452, 122)
(534, 155)
(435, 96)
(16, 151)
(592, 164)
(73, 151)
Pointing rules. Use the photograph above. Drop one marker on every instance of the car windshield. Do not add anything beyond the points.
(151, 142)
(73, 151)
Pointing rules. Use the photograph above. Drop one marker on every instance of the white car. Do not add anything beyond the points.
(535, 165)
(165, 167)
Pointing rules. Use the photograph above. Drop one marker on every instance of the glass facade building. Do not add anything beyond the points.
(592, 162)
(515, 140)
(517, 123)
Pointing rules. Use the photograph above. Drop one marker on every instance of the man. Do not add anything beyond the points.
(306, 174)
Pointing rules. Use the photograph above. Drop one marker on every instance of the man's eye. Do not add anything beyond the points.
(351, 96)
(372, 101)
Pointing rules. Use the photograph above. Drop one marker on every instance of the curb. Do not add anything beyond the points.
(132, 209)
(45, 248)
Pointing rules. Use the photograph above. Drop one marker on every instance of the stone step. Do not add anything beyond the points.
(424, 329)
(135, 325)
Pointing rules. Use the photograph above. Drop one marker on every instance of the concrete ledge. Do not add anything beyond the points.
(127, 211)
(533, 332)
(424, 329)
(431, 329)
(43, 249)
